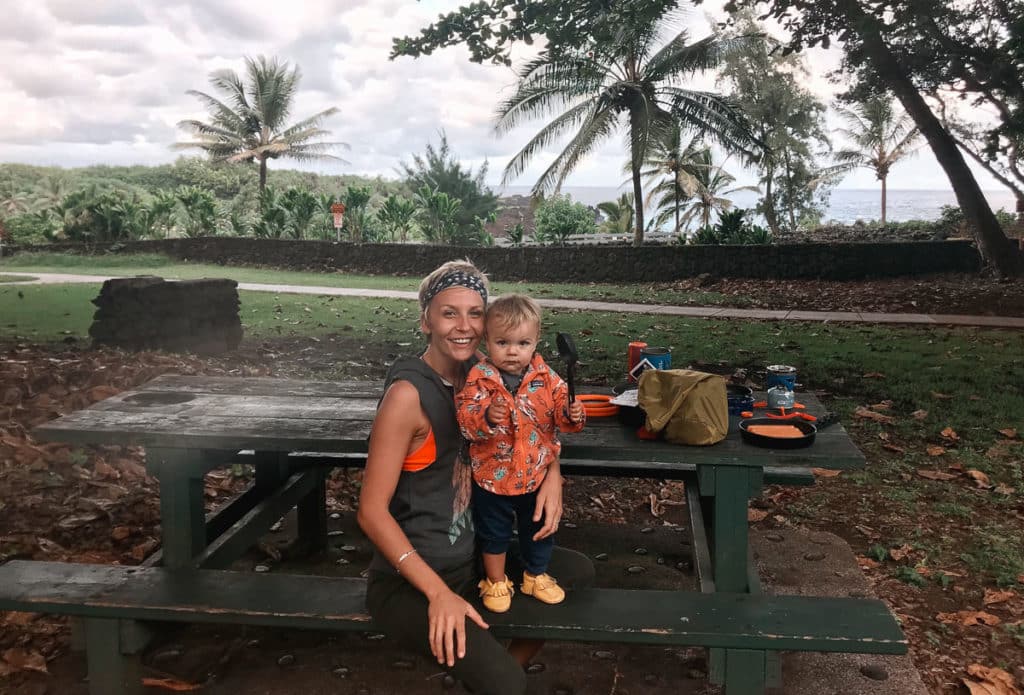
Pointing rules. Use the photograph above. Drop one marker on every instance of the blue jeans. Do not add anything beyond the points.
(494, 517)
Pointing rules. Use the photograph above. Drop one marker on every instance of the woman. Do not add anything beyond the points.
(414, 504)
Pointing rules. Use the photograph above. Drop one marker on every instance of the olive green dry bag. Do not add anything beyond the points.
(691, 407)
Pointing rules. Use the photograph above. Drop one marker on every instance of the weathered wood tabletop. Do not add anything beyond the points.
(288, 415)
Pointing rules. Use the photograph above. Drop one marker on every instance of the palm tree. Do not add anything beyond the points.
(250, 123)
(618, 213)
(881, 134)
(674, 163)
(625, 77)
(710, 187)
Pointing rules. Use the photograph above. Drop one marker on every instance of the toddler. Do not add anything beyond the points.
(510, 410)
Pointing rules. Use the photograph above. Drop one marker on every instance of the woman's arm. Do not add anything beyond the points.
(399, 423)
(549, 501)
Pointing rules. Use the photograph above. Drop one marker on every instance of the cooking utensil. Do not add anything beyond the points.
(762, 428)
(567, 351)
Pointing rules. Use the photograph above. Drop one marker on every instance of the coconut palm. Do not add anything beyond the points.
(711, 186)
(625, 78)
(671, 166)
(250, 123)
(881, 135)
(618, 215)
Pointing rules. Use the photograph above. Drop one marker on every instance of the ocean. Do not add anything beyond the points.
(845, 205)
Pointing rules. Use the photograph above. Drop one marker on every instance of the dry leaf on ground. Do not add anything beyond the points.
(950, 434)
(941, 396)
(989, 680)
(825, 472)
(874, 375)
(755, 515)
(919, 414)
(867, 563)
(882, 405)
(994, 596)
(979, 478)
(1008, 432)
(935, 475)
(935, 450)
(968, 618)
(901, 552)
(867, 414)
(1004, 489)
(16, 659)
(894, 448)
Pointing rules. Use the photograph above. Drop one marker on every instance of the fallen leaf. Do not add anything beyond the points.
(140, 551)
(935, 475)
(1004, 489)
(919, 414)
(19, 618)
(941, 396)
(968, 618)
(883, 405)
(874, 375)
(950, 434)
(120, 533)
(935, 450)
(979, 478)
(866, 563)
(993, 596)
(755, 515)
(98, 393)
(825, 472)
(23, 660)
(105, 470)
(1008, 432)
(989, 680)
(901, 552)
(171, 683)
(894, 448)
(866, 414)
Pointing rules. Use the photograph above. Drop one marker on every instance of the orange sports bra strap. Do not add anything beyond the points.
(425, 455)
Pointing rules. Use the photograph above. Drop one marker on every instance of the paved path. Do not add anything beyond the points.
(653, 309)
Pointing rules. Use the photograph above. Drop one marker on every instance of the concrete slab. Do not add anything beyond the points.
(805, 563)
(989, 321)
(852, 316)
(899, 318)
(769, 314)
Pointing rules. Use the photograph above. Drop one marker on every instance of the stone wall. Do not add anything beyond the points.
(149, 313)
(620, 264)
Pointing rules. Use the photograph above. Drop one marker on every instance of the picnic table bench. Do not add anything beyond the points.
(295, 431)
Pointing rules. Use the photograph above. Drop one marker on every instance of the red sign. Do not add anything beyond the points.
(338, 207)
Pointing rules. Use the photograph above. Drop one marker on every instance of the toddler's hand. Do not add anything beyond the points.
(498, 412)
(576, 411)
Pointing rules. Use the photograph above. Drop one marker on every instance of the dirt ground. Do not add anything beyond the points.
(937, 294)
(98, 504)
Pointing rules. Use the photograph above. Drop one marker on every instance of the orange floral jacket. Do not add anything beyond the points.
(513, 459)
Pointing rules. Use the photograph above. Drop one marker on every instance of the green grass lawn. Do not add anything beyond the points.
(968, 381)
(14, 278)
(154, 264)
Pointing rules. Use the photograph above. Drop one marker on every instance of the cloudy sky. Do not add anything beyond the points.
(104, 81)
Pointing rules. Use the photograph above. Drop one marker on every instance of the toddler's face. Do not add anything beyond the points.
(511, 347)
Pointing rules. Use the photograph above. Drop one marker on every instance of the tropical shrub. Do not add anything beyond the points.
(559, 218)
(732, 228)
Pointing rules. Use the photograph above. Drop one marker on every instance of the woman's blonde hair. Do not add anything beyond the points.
(514, 310)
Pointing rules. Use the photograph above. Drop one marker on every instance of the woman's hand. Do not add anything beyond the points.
(549, 503)
(447, 614)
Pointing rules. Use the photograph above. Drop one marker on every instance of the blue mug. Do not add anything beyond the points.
(657, 357)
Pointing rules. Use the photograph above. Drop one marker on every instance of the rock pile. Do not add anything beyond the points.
(149, 313)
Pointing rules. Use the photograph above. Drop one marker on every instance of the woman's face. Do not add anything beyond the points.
(454, 322)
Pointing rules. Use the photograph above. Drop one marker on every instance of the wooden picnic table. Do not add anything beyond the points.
(293, 431)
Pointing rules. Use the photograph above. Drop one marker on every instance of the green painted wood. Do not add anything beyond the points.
(245, 532)
(110, 670)
(773, 475)
(182, 519)
(287, 415)
(311, 515)
(732, 621)
(699, 539)
(730, 527)
(744, 672)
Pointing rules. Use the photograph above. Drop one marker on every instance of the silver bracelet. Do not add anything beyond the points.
(402, 558)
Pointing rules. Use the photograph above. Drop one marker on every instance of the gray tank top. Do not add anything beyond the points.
(432, 504)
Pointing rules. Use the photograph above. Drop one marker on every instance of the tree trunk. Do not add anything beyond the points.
(883, 201)
(638, 191)
(769, 203)
(263, 173)
(992, 242)
(675, 193)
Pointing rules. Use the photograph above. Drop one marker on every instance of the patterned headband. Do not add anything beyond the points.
(455, 278)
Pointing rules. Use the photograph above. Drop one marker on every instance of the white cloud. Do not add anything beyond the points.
(104, 81)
